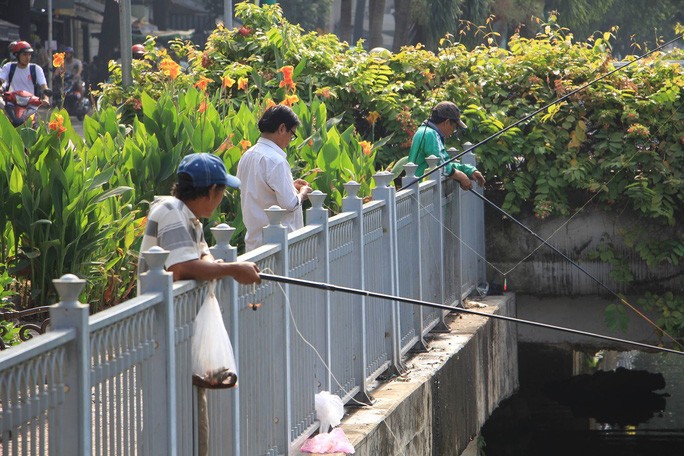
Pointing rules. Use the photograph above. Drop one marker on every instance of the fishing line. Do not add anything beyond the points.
(373, 294)
(320, 357)
(306, 341)
(543, 108)
(587, 273)
(662, 125)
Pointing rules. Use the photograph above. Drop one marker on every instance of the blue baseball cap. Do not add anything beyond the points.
(207, 170)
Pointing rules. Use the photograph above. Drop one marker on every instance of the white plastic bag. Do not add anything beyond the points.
(329, 410)
(213, 361)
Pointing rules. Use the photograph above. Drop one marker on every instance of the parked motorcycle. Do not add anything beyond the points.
(20, 105)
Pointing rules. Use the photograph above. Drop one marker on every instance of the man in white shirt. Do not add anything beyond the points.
(267, 178)
(22, 74)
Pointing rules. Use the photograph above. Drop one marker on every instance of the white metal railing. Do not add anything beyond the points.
(122, 377)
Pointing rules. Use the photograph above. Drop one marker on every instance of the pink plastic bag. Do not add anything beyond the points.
(335, 441)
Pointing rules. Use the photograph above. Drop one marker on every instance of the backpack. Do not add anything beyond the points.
(32, 69)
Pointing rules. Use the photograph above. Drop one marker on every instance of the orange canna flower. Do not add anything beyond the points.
(290, 100)
(243, 84)
(324, 92)
(245, 144)
(227, 82)
(226, 142)
(366, 147)
(57, 124)
(170, 68)
(203, 83)
(287, 77)
(373, 117)
(269, 103)
(58, 59)
(203, 106)
(427, 74)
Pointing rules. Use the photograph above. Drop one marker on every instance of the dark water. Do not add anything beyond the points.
(550, 415)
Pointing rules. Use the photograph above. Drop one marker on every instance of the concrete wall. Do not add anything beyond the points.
(439, 407)
(534, 268)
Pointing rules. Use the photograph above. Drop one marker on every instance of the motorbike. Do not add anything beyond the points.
(20, 105)
(76, 101)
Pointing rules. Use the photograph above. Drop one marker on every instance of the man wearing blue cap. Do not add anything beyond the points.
(173, 223)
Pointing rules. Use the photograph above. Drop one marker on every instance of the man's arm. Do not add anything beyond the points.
(204, 269)
(45, 98)
(288, 194)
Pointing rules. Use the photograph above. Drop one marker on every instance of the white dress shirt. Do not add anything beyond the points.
(266, 180)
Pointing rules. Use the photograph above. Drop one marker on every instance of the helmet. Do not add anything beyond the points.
(20, 46)
(138, 50)
(69, 50)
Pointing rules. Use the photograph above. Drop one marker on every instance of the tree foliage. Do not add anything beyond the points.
(619, 142)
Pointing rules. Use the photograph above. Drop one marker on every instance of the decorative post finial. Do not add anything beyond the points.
(432, 161)
(317, 198)
(69, 287)
(155, 258)
(382, 178)
(352, 189)
(222, 234)
(275, 214)
(410, 169)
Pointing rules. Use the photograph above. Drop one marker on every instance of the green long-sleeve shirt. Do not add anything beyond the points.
(428, 141)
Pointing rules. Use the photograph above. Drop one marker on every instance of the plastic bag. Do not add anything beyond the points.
(213, 361)
(329, 410)
(334, 442)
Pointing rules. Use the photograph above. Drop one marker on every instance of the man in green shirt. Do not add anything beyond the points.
(429, 139)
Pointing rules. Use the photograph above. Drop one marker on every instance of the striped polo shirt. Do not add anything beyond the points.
(172, 226)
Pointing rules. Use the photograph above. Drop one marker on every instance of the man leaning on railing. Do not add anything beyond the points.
(173, 224)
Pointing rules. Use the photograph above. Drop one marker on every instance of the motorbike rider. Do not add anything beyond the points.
(138, 51)
(72, 67)
(24, 75)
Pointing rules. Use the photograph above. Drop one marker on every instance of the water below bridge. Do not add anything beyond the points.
(567, 404)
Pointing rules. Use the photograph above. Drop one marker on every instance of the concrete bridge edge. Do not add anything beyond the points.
(439, 406)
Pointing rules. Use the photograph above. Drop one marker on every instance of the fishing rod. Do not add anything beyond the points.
(529, 116)
(373, 294)
(564, 256)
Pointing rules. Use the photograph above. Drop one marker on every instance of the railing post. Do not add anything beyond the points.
(409, 179)
(161, 421)
(276, 233)
(352, 203)
(436, 234)
(383, 191)
(477, 217)
(228, 300)
(318, 215)
(68, 314)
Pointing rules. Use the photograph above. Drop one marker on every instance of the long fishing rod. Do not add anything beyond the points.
(373, 294)
(529, 116)
(564, 256)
